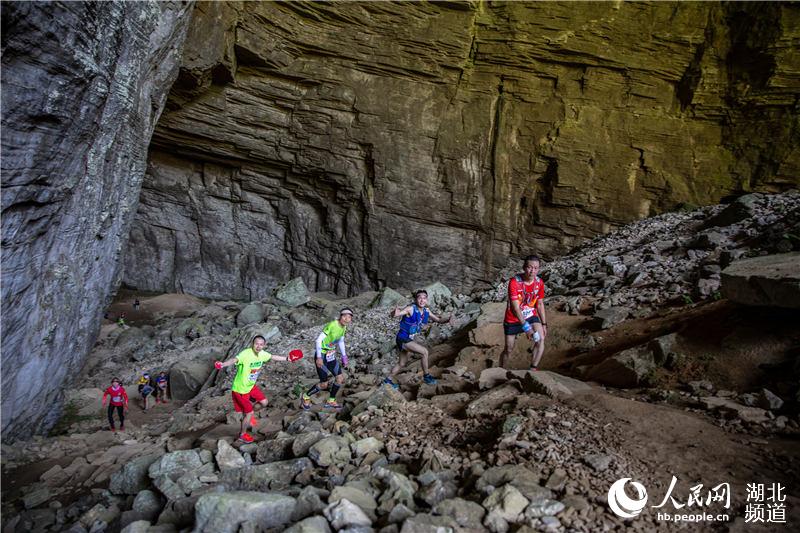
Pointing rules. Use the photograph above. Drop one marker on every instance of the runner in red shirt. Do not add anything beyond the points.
(525, 312)
(118, 399)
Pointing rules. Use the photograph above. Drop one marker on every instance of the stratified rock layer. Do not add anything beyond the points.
(363, 144)
(83, 85)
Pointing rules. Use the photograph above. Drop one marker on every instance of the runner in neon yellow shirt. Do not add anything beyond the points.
(328, 366)
(244, 390)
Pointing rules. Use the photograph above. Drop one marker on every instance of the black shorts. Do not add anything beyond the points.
(516, 329)
(401, 341)
(334, 369)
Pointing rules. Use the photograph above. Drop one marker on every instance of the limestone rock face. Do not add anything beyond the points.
(359, 145)
(83, 86)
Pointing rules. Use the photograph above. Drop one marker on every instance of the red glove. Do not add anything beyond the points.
(217, 365)
(295, 355)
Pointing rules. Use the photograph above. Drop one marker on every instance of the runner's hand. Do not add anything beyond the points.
(217, 365)
(345, 361)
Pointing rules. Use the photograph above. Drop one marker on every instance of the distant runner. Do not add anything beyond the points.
(118, 400)
(146, 388)
(162, 382)
(414, 316)
(244, 389)
(327, 364)
(525, 312)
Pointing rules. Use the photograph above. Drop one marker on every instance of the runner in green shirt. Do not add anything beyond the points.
(244, 390)
(328, 366)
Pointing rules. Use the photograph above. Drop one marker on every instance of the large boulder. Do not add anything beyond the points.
(186, 377)
(769, 280)
(626, 369)
(439, 296)
(384, 397)
(224, 512)
(251, 314)
(133, 477)
(293, 293)
(271, 476)
(389, 297)
(84, 402)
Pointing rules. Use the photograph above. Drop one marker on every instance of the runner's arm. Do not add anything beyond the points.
(400, 312)
(320, 338)
(105, 393)
(229, 362)
(517, 311)
(342, 349)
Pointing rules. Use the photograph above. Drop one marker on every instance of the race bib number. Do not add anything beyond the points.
(527, 312)
(116, 398)
(330, 356)
(254, 374)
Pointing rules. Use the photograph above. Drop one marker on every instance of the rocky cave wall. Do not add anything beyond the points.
(83, 84)
(364, 144)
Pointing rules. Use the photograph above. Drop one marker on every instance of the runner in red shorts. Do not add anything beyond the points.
(244, 389)
(525, 312)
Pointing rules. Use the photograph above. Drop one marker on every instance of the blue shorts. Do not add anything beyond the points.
(401, 341)
(334, 369)
(516, 329)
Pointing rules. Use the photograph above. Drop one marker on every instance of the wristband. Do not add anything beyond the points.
(544, 323)
(526, 327)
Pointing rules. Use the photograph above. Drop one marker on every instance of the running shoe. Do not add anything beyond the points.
(534, 369)
(430, 380)
(388, 381)
(246, 437)
(331, 404)
(305, 402)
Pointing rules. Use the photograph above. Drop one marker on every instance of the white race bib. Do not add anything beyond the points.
(330, 356)
(527, 312)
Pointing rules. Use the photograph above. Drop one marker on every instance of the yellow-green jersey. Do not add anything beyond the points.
(248, 367)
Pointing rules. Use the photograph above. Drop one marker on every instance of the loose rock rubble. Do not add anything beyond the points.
(502, 450)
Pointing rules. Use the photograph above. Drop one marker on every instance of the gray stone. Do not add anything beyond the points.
(148, 503)
(364, 446)
(330, 451)
(428, 523)
(252, 313)
(139, 526)
(389, 298)
(439, 295)
(228, 457)
(187, 376)
(608, 318)
(626, 369)
(662, 347)
(384, 397)
(768, 400)
(133, 477)
(399, 513)
(466, 513)
(492, 399)
(598, 461)
(304, 441)
(356, 494)
(223, 512)
(293, 293)
(398, 489)
(770, 280)
(312, 524)
(175, 464)
(278, 449)
(543, 508)
(344, 514)
(506, 502)
(309, 502)
(270, 476)
(739, 210)
(36, 498)
(550, 383)
(85, 402)
(492, 377)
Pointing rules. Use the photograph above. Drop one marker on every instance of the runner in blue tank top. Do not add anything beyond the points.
(414, 316)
